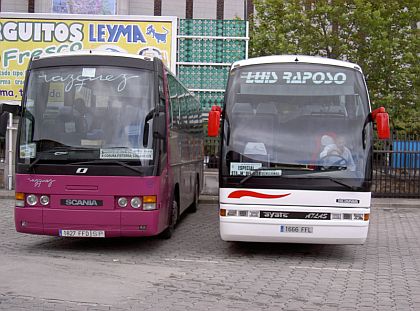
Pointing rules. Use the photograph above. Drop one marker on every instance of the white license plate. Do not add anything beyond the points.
(296, 229)
(82, 233)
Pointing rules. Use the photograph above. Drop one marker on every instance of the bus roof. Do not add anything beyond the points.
(294, 59)
(93, 53)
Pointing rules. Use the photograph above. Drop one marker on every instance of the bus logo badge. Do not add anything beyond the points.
(79, 202)
(348, 201)
(81, 170)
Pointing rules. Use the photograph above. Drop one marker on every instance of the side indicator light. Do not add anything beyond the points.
(222, 212)
(149, 199)
(366, 217)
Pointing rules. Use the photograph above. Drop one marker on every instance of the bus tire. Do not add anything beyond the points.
(167, 233)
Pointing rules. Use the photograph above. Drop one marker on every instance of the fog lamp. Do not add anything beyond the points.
(44, 200)
(122, 202)
(232, 212)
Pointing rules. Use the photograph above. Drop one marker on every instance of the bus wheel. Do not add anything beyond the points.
(167, 233)
(194, 205)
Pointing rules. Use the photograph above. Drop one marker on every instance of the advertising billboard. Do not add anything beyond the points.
(23, 36)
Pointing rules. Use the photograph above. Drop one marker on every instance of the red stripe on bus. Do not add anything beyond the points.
(245, 193)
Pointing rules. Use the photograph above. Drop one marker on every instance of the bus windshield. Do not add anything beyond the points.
(87, 113)
(296, 120)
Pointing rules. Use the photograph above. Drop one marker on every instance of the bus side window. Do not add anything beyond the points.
(162, 111)
(162, 96)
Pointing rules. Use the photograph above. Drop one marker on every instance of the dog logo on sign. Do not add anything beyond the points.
(159, 36)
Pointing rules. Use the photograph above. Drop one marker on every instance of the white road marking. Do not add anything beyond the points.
(331, 269)
(191, 260)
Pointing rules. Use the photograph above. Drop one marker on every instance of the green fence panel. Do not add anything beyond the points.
(206, 48)
(209, 27)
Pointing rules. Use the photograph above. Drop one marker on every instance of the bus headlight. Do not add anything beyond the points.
(31, 199)
(254, 214)
(122, 202)
(357, 216)
(135, 202)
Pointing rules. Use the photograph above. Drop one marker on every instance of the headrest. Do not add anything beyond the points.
(267, 108)
(327, 140)
(242, 108)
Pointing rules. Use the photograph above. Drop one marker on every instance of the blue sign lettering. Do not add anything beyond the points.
(114, 33)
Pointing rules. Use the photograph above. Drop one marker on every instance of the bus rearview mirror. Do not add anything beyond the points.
(381, 117)
(382, 125)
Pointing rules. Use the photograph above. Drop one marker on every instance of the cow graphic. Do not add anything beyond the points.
(159, 36)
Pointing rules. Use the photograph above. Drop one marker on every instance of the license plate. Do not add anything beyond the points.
(82, 233)
(296, 229)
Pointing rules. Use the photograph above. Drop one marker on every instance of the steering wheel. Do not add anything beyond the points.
(341, 162)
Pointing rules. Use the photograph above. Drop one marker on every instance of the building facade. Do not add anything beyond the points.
(198, 9)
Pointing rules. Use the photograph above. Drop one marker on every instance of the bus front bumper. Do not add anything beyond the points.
(112, 223)
(294, 231)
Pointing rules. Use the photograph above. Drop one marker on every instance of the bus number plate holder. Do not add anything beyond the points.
(296, 229)
(82, 233)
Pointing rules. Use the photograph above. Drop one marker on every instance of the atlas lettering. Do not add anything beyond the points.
(317, 216)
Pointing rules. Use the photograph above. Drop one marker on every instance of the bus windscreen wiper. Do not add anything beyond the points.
(324, 177)
(340, 183)
(254, 172)
(109, 162)
(58, 151)
(279, 167)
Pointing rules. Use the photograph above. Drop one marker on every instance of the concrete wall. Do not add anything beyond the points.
(234, 9)
(173, 8)
(205, 9)
(43, 6)
(14, 6)
(142, 7)
(202, 8)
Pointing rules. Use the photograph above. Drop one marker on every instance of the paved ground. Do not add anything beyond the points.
(195, 270)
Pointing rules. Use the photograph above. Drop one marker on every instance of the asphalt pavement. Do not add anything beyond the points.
(196, 270)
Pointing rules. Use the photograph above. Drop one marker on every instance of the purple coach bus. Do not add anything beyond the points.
(109, 145)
